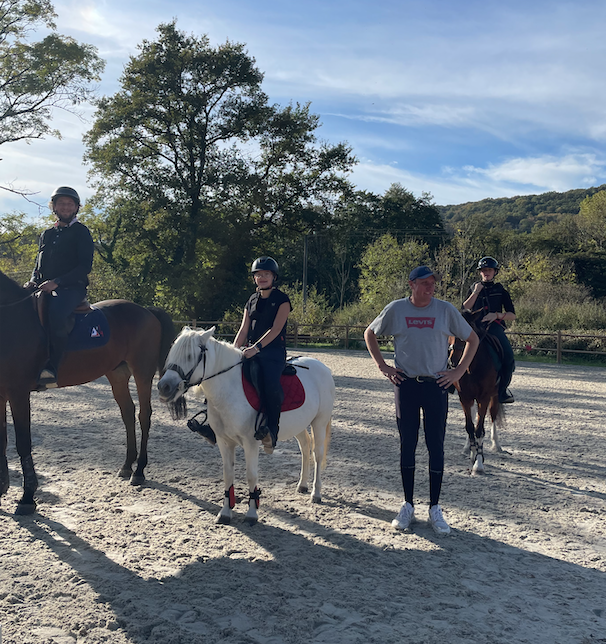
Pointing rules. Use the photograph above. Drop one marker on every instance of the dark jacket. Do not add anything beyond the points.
(494, 298)
(65, 255)
(262, 313)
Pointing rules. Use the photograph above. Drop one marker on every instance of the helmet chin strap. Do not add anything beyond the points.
(267, 288)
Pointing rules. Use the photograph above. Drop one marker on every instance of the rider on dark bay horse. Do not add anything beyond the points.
(64, 260)
(496, 303)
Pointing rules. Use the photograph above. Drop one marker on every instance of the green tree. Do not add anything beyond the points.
(18, 245)
(385, 267)
(196, 173)
(359, 218)
(591, 220)
(37, 77)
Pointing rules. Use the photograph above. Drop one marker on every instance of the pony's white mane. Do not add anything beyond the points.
(185, 351)
(222, 354)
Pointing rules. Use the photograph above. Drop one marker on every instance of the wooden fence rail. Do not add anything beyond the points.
(348, 336)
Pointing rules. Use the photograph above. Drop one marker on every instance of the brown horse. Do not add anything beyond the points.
(480, 385)
(139, 341)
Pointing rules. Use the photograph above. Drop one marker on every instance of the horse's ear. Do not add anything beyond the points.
(207, 335)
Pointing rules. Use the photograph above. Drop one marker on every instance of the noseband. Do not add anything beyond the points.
(186, 377)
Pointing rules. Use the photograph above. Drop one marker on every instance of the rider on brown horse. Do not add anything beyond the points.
(496, 303)
(64, 260)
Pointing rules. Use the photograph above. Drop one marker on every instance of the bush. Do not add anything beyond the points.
(552, 307)
(317, 308)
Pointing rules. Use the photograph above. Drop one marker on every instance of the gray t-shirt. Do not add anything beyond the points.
(421, 334)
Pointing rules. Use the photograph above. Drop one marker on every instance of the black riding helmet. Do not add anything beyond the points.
(265, 264)
(66, 191)
(488, 262)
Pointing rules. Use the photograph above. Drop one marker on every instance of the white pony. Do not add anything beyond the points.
(197, 358)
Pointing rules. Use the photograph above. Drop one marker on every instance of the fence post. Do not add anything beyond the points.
(296, 333)
(347, 336)
(559, 348)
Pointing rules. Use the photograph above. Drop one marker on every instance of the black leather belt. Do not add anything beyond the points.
(421, 378)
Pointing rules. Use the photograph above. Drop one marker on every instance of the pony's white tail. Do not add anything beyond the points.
(327, 437)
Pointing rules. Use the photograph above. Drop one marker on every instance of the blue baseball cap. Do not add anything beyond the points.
(421, 272)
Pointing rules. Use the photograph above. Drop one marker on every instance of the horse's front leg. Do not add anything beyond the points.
(4, 476)
(251, 454)
(304, 441)
(228, 455)
(20, 409)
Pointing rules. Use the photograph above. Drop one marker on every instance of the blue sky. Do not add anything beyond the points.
(462, 99)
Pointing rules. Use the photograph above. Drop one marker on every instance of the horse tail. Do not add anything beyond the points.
(167, 337)
(327, 436)
(497, 412)
(326, 442)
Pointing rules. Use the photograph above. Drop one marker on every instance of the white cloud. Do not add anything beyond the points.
(511, 178)
(547, 172)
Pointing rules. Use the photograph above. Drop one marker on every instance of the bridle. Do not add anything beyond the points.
(186, 377)
(455, 350)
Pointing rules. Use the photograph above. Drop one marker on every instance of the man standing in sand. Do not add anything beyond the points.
(420, 326)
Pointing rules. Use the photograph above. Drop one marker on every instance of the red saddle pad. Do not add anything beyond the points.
(294, 394)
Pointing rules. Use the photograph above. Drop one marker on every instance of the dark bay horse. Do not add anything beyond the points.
(138, 344)
(479, 385)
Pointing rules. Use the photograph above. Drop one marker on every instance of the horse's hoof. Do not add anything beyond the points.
(250, 520)
(303, 489)
(222, 519)
(25, 509)
(125, 473)
(137, 479)
(316, 499)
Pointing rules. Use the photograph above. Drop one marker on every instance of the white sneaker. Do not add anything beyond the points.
(437, 521)
(405, 517)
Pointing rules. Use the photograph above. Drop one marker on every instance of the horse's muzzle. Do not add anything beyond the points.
(170, 388)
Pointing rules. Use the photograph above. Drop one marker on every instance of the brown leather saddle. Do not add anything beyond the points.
(41, 300)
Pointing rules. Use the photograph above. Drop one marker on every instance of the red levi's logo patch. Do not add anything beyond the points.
(420, 323)
(294, 393)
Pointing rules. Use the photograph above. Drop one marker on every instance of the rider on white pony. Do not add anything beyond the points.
(263, 328)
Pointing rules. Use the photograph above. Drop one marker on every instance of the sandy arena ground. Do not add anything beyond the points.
(103, 561)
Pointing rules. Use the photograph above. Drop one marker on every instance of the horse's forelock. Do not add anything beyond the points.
(185, 347)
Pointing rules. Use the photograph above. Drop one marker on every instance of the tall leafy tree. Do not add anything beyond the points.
(196, 172)
(386, 265)
(38, 76)
(591, 220)
(360, 218)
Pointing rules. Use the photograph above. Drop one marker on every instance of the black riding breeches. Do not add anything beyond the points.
(509, 364)
(270, 370)
(412, 397)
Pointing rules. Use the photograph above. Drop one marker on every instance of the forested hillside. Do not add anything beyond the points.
(521, 213)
